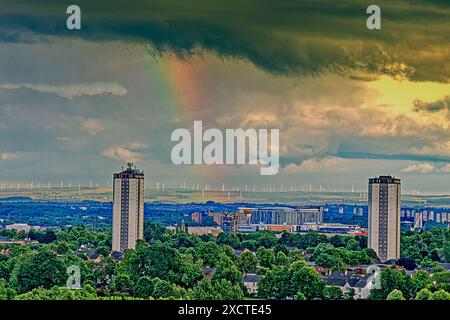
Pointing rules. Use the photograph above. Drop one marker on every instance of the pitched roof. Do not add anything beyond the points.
(339, 279)
(364, 281)
(335, 282)
(92, 255)
(116, 255)
(251, 278)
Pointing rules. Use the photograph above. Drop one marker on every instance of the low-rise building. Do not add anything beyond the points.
(251, 281)
(360, 284)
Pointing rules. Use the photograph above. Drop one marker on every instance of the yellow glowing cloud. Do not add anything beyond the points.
(400, 94)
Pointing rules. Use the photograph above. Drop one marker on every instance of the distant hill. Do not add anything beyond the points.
(16, 199)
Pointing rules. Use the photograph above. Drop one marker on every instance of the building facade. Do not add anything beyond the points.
(384, 217)
(230, 222)
(128, 208)
(287, 216)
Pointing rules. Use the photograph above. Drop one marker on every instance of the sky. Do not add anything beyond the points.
(350, 103)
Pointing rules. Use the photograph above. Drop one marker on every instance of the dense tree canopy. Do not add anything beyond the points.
(179, 265)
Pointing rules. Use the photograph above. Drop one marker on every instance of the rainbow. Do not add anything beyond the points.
(182, 84)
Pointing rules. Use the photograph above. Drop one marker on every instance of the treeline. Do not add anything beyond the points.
(179, 265)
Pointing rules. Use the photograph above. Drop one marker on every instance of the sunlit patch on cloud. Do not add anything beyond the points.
(125, 153)
(327, 164)
(93, 126)
(9, 155)
(419, 168)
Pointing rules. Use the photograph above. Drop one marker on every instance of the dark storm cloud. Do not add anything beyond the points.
(282, 37)
(434, 106)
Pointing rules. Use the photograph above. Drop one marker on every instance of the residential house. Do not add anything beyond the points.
(361, 284)
(251, 281)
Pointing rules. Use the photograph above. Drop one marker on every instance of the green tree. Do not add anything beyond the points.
(390, 280)
(162, 289)
(192, 270)
(276, 284)
(266, 257)
(332, 293)
(155, 261)
(209, 252)
(395, 295)
(419, 281)
(247, 261)
(144, 287)
(423, 294)
(300, 296)
(59, 293)
(221, 289)
(446, 251)
(227, 270)
(441, 280)
(153, 231)
(5, 292)
(281, 258)
(352, 245)
(306, 280)
(122, 283)
(43, 269)
(440, 295)
(103, 250)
